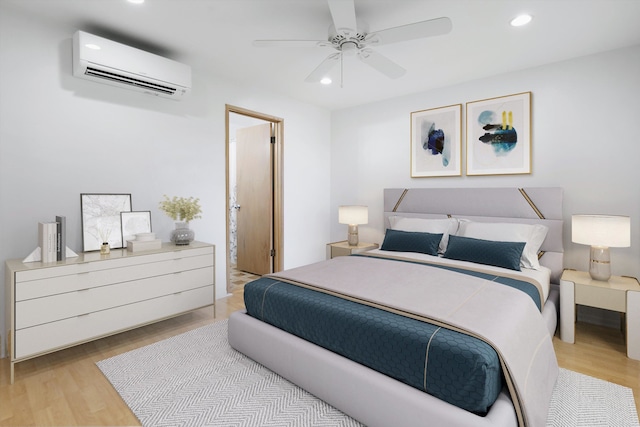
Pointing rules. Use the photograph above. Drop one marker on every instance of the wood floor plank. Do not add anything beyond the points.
(66, 388)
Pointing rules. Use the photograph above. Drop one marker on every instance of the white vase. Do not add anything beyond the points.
(182, 234)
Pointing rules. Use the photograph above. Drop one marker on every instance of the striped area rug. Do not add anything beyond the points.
(197, 379)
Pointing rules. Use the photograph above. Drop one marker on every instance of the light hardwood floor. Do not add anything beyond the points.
(67, 389)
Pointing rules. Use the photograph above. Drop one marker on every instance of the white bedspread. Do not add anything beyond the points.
(500, 315)
(542, 276)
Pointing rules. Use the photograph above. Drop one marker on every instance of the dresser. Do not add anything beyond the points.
(55, 305)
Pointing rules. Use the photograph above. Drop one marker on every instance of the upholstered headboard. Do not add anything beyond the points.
(540, 205)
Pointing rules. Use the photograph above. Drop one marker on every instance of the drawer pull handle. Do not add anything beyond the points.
(177, 293)
(83, 290)
(83, 315)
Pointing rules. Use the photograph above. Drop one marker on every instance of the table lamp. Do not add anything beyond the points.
(601, 232)
(353, 215)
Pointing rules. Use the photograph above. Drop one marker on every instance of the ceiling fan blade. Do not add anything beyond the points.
(322, 69)
(343, 13)
(381, 63)
(291, 43)
(417, 30)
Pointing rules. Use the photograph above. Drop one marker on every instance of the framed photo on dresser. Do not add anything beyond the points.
(100, 215)
(134, 223)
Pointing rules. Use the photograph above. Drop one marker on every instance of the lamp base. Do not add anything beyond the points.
(600, 263)
(352, 237)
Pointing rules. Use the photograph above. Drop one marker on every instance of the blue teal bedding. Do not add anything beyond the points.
(449, 365)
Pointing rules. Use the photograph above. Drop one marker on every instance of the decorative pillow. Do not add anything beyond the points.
(411, 241)
(443, 226)
(499, 254)
(532, 234)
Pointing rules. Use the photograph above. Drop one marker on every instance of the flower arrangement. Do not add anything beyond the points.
(181, 208)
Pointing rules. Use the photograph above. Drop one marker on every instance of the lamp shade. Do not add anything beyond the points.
(353, 215)
(601, 230)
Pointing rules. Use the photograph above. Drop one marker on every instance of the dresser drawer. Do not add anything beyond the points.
(57, 307)
(75, 330)
(100, 277)
(606, 298)
(117, 259)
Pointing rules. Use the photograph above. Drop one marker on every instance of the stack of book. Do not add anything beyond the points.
(146, 245)
(52, 239)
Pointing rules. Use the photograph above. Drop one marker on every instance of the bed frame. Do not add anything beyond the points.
(376, 399)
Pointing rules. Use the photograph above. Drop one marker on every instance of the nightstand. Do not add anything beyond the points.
(343, 248)
(621, 294)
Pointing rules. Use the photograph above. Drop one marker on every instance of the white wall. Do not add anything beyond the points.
(61, 136)
(585, 125)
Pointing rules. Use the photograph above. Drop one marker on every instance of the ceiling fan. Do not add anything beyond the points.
(350, 36)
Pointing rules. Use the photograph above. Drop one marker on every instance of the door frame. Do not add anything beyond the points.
(276, 181)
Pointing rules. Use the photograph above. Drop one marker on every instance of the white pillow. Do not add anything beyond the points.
(443, 226)
(532, 234)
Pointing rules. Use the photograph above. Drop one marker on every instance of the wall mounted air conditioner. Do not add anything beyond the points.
(112, 63)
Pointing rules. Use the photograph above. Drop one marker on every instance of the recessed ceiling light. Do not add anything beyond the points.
(92, 46)
(136, 1)
(326, 81)
(521, 20)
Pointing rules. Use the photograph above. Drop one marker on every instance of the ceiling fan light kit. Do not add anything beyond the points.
(350, 37)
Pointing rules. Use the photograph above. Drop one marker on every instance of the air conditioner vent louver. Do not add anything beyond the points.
(128, 80)
(115, 64)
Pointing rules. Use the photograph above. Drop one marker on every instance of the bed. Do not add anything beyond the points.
(333, 363)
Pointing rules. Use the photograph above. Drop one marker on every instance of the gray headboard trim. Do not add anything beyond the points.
(534, 205)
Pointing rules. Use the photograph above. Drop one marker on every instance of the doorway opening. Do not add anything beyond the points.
(254, 208)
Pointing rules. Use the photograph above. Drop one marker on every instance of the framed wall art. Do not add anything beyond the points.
(134, 223)
(499, 135)
(100, 215)
(436, 142)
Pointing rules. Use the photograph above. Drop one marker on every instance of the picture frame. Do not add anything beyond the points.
(436, 142)
(499, 135)
(133, 223)
(100, 219)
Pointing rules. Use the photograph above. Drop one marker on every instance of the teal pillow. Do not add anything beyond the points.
(488, 252)
(411, 241)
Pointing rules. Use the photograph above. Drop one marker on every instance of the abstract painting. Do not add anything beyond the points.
(101, 219)
(436, 142)
(499, 135)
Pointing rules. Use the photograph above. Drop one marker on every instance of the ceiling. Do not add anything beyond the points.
(215, 37)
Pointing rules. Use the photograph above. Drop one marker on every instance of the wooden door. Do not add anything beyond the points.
(254, 198)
